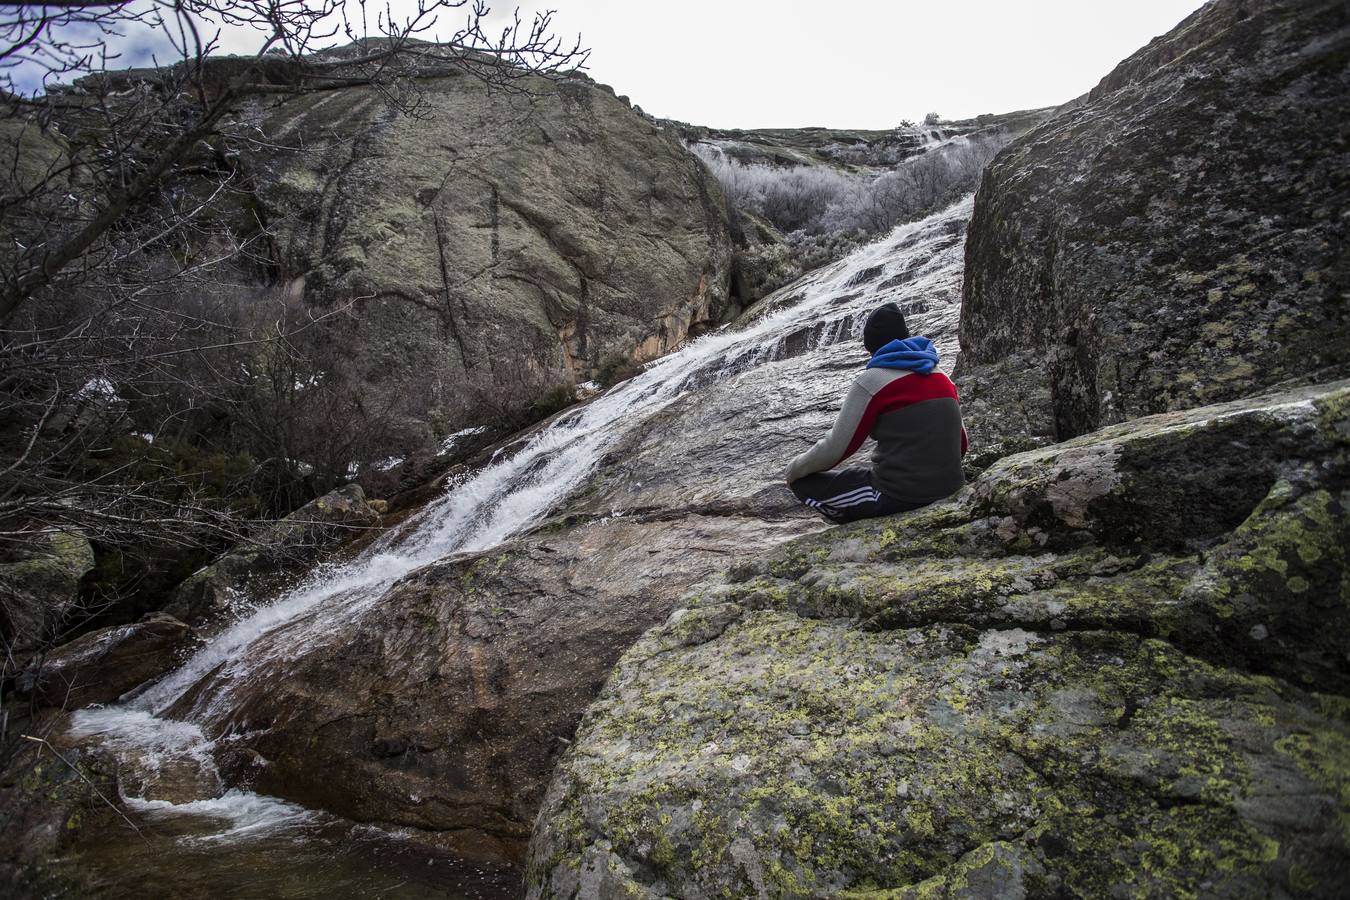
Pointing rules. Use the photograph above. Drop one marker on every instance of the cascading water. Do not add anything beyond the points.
(515, 491)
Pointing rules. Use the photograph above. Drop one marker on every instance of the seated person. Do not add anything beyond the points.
(910, 409)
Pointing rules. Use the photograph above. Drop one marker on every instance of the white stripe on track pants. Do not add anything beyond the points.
(846, 495)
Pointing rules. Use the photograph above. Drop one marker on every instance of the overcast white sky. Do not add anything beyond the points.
(856, 63)
(839, 63)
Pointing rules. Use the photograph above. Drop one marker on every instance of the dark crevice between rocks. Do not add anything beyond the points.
(1073, 386)
(1167, 507)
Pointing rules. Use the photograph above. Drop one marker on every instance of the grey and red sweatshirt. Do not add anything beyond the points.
(916, 421)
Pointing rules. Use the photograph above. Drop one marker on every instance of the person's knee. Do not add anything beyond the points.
(801, 488)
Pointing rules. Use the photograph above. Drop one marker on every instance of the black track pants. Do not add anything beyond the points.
(846, 495)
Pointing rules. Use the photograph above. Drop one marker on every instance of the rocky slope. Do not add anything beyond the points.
(426, 689)
(1112, 666)
(1177, 239)
(1072, 677)
(441, 701)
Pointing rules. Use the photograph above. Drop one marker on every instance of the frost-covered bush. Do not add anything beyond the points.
(824, 212)
(913, 189)
(791, 198)
(820, 200)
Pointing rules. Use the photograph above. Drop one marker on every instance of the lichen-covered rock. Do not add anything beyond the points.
(1108, 668)
(218, 591)
(39, 588)
(1176, 239)
(102, 665)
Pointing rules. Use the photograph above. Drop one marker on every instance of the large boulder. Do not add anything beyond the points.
(553, 229)
(102, 665)
(1175, 239)
(1113, 667)
(440, 255)
(246, 573)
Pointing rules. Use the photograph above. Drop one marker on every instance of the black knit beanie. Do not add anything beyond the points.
(885, 324)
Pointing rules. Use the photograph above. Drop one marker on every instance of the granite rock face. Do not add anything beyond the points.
(552, 230)
(1175, 239)
(1103, 668)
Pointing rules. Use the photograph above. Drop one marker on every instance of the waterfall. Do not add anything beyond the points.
(517, 490)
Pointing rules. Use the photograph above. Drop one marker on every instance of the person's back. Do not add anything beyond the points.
(910, 409)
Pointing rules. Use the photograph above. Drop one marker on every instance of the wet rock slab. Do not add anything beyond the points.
(445, 705)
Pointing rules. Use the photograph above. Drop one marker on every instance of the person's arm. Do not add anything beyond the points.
(965, 441)
(850, 429)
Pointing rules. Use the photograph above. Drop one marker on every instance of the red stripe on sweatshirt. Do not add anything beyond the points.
(903, 391)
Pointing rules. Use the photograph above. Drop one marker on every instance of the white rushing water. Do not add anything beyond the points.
(518, 489)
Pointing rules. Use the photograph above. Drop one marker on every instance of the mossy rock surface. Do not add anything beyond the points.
(51, 793)
(1102, 670)
(38, 587)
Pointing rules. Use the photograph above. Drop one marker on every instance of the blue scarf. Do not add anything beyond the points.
(917, 354)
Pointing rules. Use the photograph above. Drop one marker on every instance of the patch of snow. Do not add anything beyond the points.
(97, 389)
